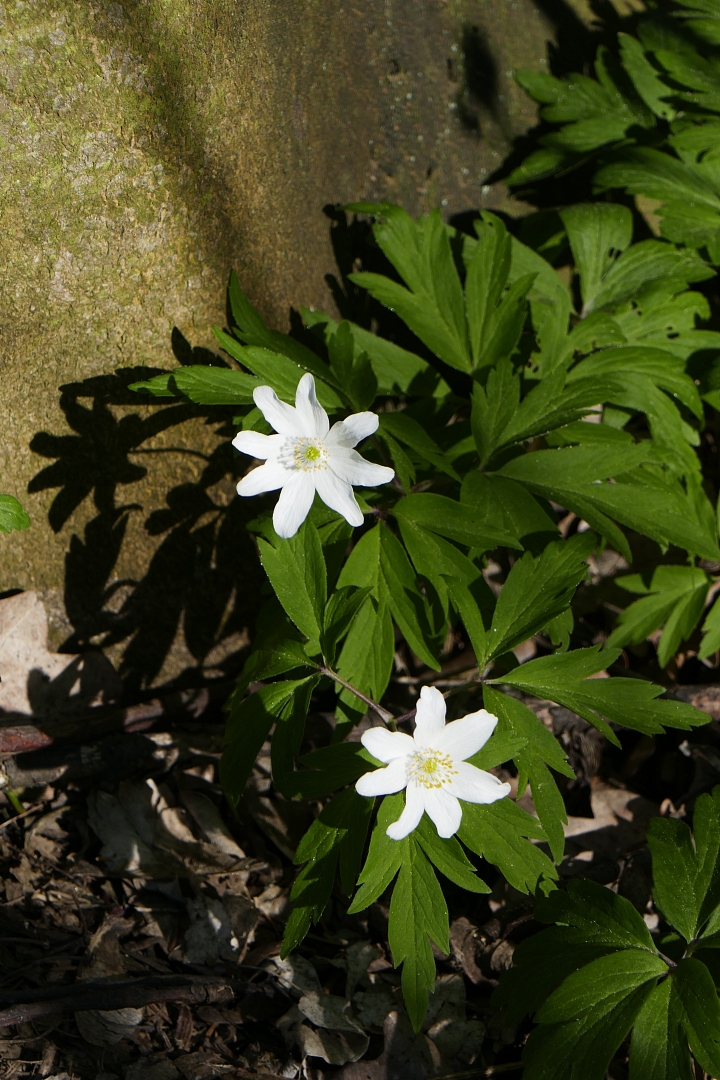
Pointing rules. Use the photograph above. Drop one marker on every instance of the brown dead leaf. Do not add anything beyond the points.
(143, 835)
(108, 1028)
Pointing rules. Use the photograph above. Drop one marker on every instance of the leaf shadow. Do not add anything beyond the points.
(203, 577)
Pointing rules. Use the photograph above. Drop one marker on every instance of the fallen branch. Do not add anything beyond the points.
(108, 996)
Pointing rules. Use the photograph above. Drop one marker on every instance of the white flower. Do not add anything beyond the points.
(431, 766)
(306, 456)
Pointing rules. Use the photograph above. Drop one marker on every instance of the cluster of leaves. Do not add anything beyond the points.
(649, 121)
(486, 423)
(649, 124)
(598, 972)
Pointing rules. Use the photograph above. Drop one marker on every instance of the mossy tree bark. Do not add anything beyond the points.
(147, 148)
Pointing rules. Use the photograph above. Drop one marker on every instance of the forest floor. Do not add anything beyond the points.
(140, 921)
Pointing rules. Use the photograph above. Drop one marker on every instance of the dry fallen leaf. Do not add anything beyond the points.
(143, 835)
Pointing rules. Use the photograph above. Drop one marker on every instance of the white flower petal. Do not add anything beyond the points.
(410, 817)
(387, 745)
(268, 477)
(338, 495)
(348, 465)
(383, 781)
(465, 737)
(429, 718)
(353, 429)
(310, 412)
(444, 809)
(282, 417)
(257, 445)
(294, 503)
(475, 785)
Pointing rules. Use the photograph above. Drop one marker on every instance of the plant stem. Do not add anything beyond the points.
(386, 716)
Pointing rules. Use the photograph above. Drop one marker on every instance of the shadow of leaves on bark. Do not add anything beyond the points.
(203, 577)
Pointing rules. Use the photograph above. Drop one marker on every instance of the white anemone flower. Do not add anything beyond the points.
(307, 455)
(432, 766)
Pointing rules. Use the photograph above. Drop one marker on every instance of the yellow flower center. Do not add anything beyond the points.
(431, 769)
(309, 455)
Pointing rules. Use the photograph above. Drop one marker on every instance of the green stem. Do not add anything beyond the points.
(386, 716)
(14, 801)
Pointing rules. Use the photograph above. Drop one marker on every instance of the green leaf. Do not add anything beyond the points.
(658, 1048)
(252, 330)
(674, 596)
(248, 726)
(602, 983)
(448, 857)
(584, 1021)
(204, 385)
(687, 875)
(384, 857)
(396, 369)
(432, 305)
(501, 833)
(594, 922)
(366, 658)
(711, 632)
(598, 233)
(408, 431)
(495, 316)
(598, 914)
(645, 77)
(408, 606)
(329, 769)
(418, 913)
(700, 1012)
(336, 836)
(340, 611)
(353, 370)
(565, 678)
(12, 515)
(675, 874)
(576, 478)
(296, 569)
(288, 736)
(536, 591)
(280, 372)
(266, 663)
(461, 522)
(158, 386)
(509, 504)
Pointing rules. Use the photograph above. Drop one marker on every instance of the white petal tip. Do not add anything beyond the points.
(394, 833)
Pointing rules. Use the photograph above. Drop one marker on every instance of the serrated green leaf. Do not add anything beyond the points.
(674, 596)
(587, 1017)
(297, 573)
(418, 914)
(501, 834)
(576, 478)
(212, 385)
(700, 1012)
(537, 590)
(340, 611)
(384, 857)
(658, 1048)
(461, 522)
(448, 857)
(337, 836)
(565, 678)
(408, 431)
(675, 874)
(248, 726)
